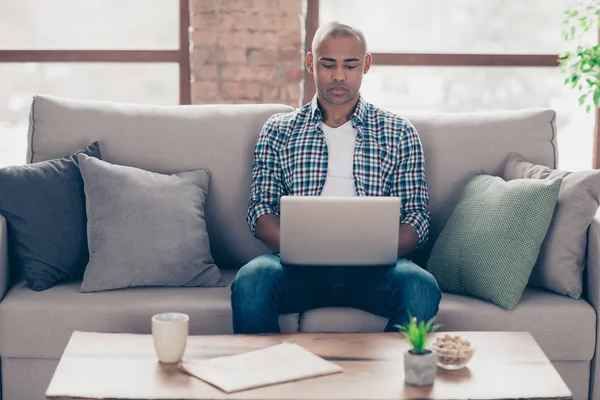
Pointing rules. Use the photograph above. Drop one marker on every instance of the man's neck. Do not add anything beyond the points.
(337, 115)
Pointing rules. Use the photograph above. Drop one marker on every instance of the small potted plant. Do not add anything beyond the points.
(419, 362)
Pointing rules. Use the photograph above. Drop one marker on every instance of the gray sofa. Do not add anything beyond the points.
(35, 326)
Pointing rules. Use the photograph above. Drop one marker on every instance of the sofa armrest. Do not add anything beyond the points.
(592, 294)
(4, 270)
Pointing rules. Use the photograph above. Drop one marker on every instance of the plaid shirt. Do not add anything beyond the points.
(290, 158)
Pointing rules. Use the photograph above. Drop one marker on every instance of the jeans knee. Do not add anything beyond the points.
(426, 284)
(418, 289)
(256, 281)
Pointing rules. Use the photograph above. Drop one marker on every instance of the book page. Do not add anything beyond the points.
(280, 363)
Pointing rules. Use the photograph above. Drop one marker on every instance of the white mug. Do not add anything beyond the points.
(170, 331)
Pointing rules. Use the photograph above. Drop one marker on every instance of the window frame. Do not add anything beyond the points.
(445, 60)
(181, 56)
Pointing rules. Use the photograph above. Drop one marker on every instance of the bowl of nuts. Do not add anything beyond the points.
(453, 352)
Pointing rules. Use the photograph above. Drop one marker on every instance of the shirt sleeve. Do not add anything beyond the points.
(265, 187)
(410, 183)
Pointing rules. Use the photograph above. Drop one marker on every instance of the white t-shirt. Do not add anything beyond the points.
(340, 146)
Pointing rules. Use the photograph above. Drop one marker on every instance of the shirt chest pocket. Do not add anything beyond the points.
(377, 167)
(303, 161)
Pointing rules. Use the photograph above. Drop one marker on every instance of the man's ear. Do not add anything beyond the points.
(309, 62)
(368, 60)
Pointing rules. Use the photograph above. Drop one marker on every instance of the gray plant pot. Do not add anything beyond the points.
(419, 369)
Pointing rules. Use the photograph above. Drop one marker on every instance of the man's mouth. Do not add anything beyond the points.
(338, 89)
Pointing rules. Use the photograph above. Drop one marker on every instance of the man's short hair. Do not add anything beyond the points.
(337, 29)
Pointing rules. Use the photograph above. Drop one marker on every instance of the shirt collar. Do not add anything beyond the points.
(358, 117)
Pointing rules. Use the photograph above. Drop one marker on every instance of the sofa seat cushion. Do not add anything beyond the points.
(39, 324)
(564, 328)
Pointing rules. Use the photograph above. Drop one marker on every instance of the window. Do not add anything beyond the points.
(402, 89)
(118, 50)
(89, 25)
(455, 26)
(156, 83)
(466, 56)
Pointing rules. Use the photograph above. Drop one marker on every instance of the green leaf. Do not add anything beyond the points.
(417, 333)
(596, 98)
(588, 108)
(428, 325)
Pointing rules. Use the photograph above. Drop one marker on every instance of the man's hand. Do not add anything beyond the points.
(408, 239)
(267, 230)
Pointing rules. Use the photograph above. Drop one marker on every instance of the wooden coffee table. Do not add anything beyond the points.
(506, 365)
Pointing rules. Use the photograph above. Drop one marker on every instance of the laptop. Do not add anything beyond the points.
(339, 231)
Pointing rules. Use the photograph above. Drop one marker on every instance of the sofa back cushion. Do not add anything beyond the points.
(168, 139)
(221, 138)
(457, 145)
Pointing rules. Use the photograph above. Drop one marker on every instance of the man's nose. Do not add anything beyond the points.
(339, 74)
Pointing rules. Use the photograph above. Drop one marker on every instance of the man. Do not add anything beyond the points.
(336, 145)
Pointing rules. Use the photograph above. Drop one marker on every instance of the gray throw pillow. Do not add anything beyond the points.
(561, 261)
(145, 228)
(44, 206)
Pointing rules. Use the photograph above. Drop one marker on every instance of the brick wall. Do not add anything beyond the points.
(247, 51)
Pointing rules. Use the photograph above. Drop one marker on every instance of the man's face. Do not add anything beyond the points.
(338, 65)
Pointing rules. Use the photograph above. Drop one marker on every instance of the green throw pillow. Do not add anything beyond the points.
(493, 237)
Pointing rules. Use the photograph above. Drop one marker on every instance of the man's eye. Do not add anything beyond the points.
(350, 66)
(328, 66)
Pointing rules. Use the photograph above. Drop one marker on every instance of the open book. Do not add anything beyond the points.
(280, 363)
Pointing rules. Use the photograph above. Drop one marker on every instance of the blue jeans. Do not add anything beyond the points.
(263, 289)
